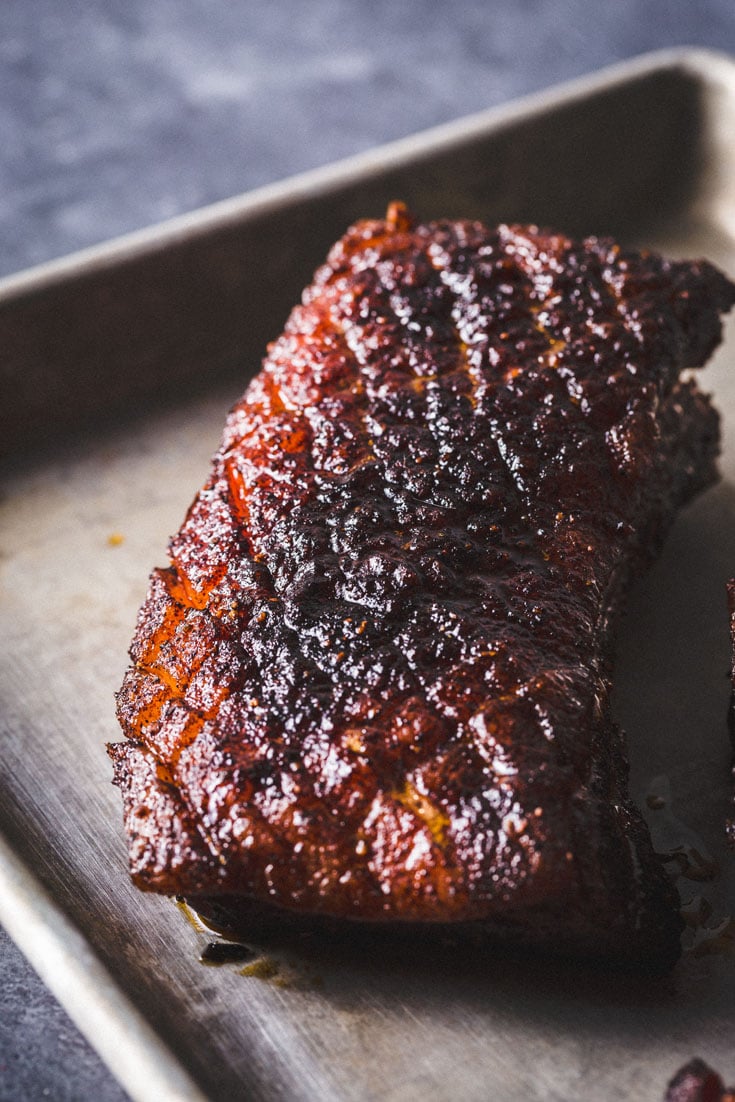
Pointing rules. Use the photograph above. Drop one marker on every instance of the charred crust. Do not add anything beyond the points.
(373, 682)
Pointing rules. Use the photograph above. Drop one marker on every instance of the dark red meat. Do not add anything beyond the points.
(697, 1082)
(374, 681)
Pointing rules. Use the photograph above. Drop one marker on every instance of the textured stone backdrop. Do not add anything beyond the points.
(117, 113)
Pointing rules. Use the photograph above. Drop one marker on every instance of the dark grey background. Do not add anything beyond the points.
(116, 114)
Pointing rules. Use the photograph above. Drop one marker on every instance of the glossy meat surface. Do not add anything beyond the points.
(374, 681)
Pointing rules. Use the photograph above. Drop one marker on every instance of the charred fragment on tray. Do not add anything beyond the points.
(226, 952)
(698, 1082)
(373, 683)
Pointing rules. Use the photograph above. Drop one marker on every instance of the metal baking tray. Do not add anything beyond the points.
(119, 365)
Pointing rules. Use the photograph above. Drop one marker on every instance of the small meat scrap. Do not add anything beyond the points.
(697, 1082)
(373, 682)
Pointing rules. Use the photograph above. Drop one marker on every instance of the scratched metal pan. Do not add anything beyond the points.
(119, 364)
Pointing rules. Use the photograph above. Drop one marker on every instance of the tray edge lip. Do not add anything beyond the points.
(703, 64)
(137, 1057)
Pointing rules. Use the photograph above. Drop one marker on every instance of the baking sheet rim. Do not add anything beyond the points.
(60, 954)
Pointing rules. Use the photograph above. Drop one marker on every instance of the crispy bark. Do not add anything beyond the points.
(373, 683)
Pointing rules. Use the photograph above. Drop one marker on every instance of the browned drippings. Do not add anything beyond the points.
(696, 912)
(692, 864)
(708, 925)
(264, 968)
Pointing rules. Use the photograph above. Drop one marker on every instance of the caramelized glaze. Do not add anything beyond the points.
(373, 682)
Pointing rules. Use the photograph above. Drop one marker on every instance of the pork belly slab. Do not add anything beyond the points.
(373, 684)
